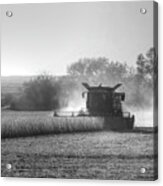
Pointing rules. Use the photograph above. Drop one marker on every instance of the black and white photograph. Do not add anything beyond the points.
(79, 90)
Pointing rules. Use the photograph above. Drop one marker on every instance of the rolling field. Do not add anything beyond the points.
(86, 155)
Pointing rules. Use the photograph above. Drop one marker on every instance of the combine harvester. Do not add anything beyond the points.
(103, 104)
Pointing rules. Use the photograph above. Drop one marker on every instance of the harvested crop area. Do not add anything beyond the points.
(86, 155)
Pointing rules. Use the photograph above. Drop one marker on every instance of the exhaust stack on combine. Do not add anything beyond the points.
(105, 104)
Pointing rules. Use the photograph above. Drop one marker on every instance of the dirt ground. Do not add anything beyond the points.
(87, 155)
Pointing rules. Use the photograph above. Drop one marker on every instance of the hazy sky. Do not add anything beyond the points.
(48, 37)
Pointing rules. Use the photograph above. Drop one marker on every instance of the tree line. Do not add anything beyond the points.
(46, 92)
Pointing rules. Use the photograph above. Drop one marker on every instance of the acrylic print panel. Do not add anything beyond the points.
(79, 90)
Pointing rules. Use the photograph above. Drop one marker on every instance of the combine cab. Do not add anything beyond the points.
(105, 105)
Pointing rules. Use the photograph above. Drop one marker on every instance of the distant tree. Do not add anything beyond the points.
(147, 65)
(118, 71)
(40, 93)
(143, 81)
(98, 70)
(6, 99)
(88, 66)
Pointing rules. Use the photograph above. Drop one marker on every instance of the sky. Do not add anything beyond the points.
(49, 37)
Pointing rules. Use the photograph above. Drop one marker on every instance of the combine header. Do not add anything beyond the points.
(105, 104)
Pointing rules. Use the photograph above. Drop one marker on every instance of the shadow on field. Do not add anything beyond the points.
(140, 130)
(143, 130)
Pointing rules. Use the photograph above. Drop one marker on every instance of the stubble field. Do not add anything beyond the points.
(86, 155)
